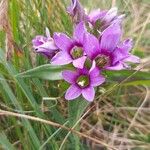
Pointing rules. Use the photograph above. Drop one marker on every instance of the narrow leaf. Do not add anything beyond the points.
(47, 72)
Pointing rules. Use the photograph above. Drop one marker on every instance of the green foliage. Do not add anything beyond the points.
(47, 72)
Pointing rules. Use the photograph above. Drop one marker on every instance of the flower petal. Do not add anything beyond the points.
(48, 33)
(98, 80)
(95, 77)
(118, 54)
(71, 9)
(79, 63)
(39, 40)
(45, 52)
(110, 15)
(91, 45)
(49, 45)
(119, 19)
(96, 15)
(126, 45)
(79, 32)
(132, 58)
(62, 41)
(118, 66)
(70, 76)
(88, 93)
(61, 58)
(122, 51)
(73, 92)
(110, 38)
(93, 65)
(76, 11)
(94, 71)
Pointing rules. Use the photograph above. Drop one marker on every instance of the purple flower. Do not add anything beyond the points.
(107, 52)
(105, 17)
(71, 50)
(77, 12)
(82, 82)
(45, 45)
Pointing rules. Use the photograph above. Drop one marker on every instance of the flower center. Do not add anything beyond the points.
(76, 53)
(102, 60)
(83, 81)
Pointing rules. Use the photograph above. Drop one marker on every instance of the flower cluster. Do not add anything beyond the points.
(90, 51)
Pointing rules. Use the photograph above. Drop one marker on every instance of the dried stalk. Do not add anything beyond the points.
(8, 113)
(5, 25)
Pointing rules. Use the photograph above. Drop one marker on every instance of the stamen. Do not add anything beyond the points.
(83, 81)
(76, 53)
(102, 60)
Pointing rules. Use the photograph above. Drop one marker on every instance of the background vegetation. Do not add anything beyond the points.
(119, 116)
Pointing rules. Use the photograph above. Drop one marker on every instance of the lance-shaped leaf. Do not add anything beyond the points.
(47, 72)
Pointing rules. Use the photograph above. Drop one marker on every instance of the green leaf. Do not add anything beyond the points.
(115, 75)
(47, 72)
(76, 110)
(138, 82)
(5, 143)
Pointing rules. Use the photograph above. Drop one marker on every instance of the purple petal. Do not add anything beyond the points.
(122, 51)
(119, 19)
(95, 77)
(93, 65)
(94, 71)
(46, 52)
(132, 58)
(96, 15)
(110, 15)
(91, 45)
(118, 54)
(62, 41)
(70, 76)
(79, 32)
(126, 45)
(79, 63)
(110, 38)
(48, 33)
(88, 93)
(77, 11)
(38, 40)
(71, 9)
(49, 45)
(98, 80)
(61, 58)
(118, 66)
(73, 92)
(83, 71)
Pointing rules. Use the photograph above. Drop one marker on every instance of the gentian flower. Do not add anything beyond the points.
(71, 50)
(108, 52)
(105, 17)
(45, 45)
(76, 11)
(97, 17)
(82, 82)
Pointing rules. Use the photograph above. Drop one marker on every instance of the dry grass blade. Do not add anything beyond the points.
(5, 24)
(142, 30)
(110, 90)
(135, 116)
(3, 13)
(61, 146)
(8, 113)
